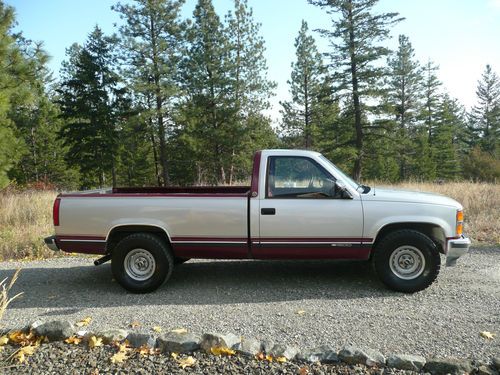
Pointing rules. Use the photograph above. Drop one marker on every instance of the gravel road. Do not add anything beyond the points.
(302, 303)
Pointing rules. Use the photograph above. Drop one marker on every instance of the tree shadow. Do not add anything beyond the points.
(200, 283)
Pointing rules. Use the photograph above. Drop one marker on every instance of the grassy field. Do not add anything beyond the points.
(26, 217)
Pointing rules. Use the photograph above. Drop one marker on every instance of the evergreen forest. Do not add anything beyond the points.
(170, 101)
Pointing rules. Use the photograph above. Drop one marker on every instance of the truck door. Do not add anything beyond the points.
(303, 216)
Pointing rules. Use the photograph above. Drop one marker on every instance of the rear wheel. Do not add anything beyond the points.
(141, 262)
(406, 261)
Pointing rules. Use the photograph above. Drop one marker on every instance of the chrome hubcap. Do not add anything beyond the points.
(139, 264)
(407, 262)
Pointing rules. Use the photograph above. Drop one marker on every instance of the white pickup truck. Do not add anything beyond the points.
(299, 206)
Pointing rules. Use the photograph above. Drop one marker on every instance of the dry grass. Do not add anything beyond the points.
(481, 203)
(26, 218)
(5, 288)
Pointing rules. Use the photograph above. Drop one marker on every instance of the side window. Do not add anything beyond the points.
(297, 177)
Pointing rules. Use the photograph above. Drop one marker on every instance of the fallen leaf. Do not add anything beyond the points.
(260, 356)
(119, 357)
(269, 358)
(487, 335)
(221, 350)
(179, 330)
(300, 312)
(24, 352)
(281, 359)
(144, 350)
(84, 322)
(94, 342)
(73, 340)
(135, 324)
(303, 371)
(22, 338)
(4, 340)
(157, 329)
(124, 347)
(186, 362)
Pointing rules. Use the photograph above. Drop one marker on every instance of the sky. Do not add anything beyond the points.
(461, 36)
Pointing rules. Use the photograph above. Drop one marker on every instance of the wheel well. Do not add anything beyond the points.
(119, 233)
(433, 231)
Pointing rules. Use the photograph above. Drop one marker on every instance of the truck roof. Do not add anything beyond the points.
(293, 152)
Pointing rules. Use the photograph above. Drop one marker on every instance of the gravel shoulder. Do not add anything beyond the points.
(60, 358)
(295, 302)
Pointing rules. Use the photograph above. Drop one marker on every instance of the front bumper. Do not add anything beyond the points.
(51, 243)
(456, 248)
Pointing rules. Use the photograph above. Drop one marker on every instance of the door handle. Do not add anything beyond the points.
(268, 211)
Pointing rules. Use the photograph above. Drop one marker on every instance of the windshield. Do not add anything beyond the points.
(345, 177)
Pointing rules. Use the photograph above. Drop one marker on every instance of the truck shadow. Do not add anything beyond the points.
(200, 283)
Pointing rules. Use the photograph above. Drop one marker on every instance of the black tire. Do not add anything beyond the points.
(150, 247)
(398, 243)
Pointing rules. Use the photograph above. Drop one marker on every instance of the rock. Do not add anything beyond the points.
(55, 331)
(137, 340)
(485, 370)
(210, 340)
(286, 351)
(323, 354)
(33, 325)
(267, 346)
(406, 362)
(368, 357)
(249, 347)
(110, 335)
(178, 342)
(438, 366)
(496, 363)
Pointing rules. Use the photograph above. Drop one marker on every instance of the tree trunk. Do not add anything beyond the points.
(306, 112)
(159, 104)
(356, 100)
(113, 172)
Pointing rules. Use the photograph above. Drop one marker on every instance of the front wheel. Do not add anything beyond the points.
(406, 261)
(141, 262)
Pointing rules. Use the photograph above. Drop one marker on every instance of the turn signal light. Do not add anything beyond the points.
(460, 223)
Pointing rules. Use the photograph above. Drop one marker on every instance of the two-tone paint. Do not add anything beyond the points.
(229, 222)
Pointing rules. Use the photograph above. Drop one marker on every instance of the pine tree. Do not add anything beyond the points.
(404, 101)
(446, 145)
(37, 124)
(300, 117)
(251, 89)
(15, 70)
(152, 37)
(355, 38)
(422, 166)
(432, 85)
(209, 111)
(485, 115)
(92, 102)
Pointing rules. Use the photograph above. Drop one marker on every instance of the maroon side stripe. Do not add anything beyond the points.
(313, 239)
